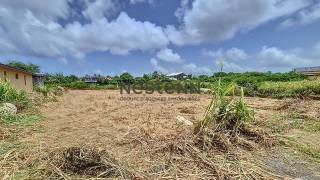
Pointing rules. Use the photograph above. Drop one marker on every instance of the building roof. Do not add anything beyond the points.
(175, 74)
(90, 81)
(308, 69)
(15, 69)
(38, 74)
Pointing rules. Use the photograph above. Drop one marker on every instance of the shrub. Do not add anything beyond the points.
(49, 89)
(289, 89)
(224, 112)
(8, 94)
(78, 85)
(44, 90)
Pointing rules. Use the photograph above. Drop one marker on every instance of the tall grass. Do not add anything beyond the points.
(290, 89)
(47, 90)
(8, 94)
(224, 111)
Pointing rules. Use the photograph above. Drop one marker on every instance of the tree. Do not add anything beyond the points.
(115, 80)
(156, 75)
(126, 78)
(27, 67)
(147, 77)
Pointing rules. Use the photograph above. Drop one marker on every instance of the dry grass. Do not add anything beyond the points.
(92, 134)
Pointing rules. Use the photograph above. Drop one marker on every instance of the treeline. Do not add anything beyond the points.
(250, 80)
(263, 84)
(241, 79)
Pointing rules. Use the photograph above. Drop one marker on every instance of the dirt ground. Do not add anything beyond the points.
(136, 130)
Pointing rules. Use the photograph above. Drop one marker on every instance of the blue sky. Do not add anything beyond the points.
(110, 37)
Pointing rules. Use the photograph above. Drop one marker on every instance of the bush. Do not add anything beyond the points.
(224, 112)
(44, 90)
(49, 89)
(78, 85)
(289, 89)
(109, 86)
(8, 94)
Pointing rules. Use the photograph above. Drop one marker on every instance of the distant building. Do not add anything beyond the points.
(177, 76)
(38, 79)
(308, 71)
(17, 77)
(91, 79)
(108, 78)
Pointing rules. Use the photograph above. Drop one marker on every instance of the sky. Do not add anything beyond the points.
(109, 37)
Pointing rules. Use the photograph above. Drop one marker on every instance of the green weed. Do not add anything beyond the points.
(225, 112)
(304, 148)
(7, 146)
(8, 94)
(23, 120)
(289, 89)
(284, 122)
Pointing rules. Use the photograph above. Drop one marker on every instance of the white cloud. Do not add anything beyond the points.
(179, 13)
(177, 65)
(99, 9)
(165, 55)
(265, 59)
(116, 37)
(229, 66)
(276, 58)
(195, 69)
(233, 54)
(141, 1)
(29, 30)
(98, 71)
(155, 64)
(43, 10)
(168, 55)
(304, 17)
(218, 20)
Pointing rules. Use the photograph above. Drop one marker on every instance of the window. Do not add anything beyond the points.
(5, 76)
(25, 80)
(17, 76)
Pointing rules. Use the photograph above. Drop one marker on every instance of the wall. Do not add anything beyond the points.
(19, 83)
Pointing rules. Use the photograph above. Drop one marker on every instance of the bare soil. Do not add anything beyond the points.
(138, 131)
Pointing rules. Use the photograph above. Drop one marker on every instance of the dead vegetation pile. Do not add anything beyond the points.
(87, 162)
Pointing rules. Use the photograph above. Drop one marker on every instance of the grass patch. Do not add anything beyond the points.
(21, 120)
(7, 146)
(285, 122)
(304, 148)
(290, 89)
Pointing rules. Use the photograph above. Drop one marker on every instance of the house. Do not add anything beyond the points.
(108, 78)
(91, 79)
(17, 77)
(177, 76)
(308, 71)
